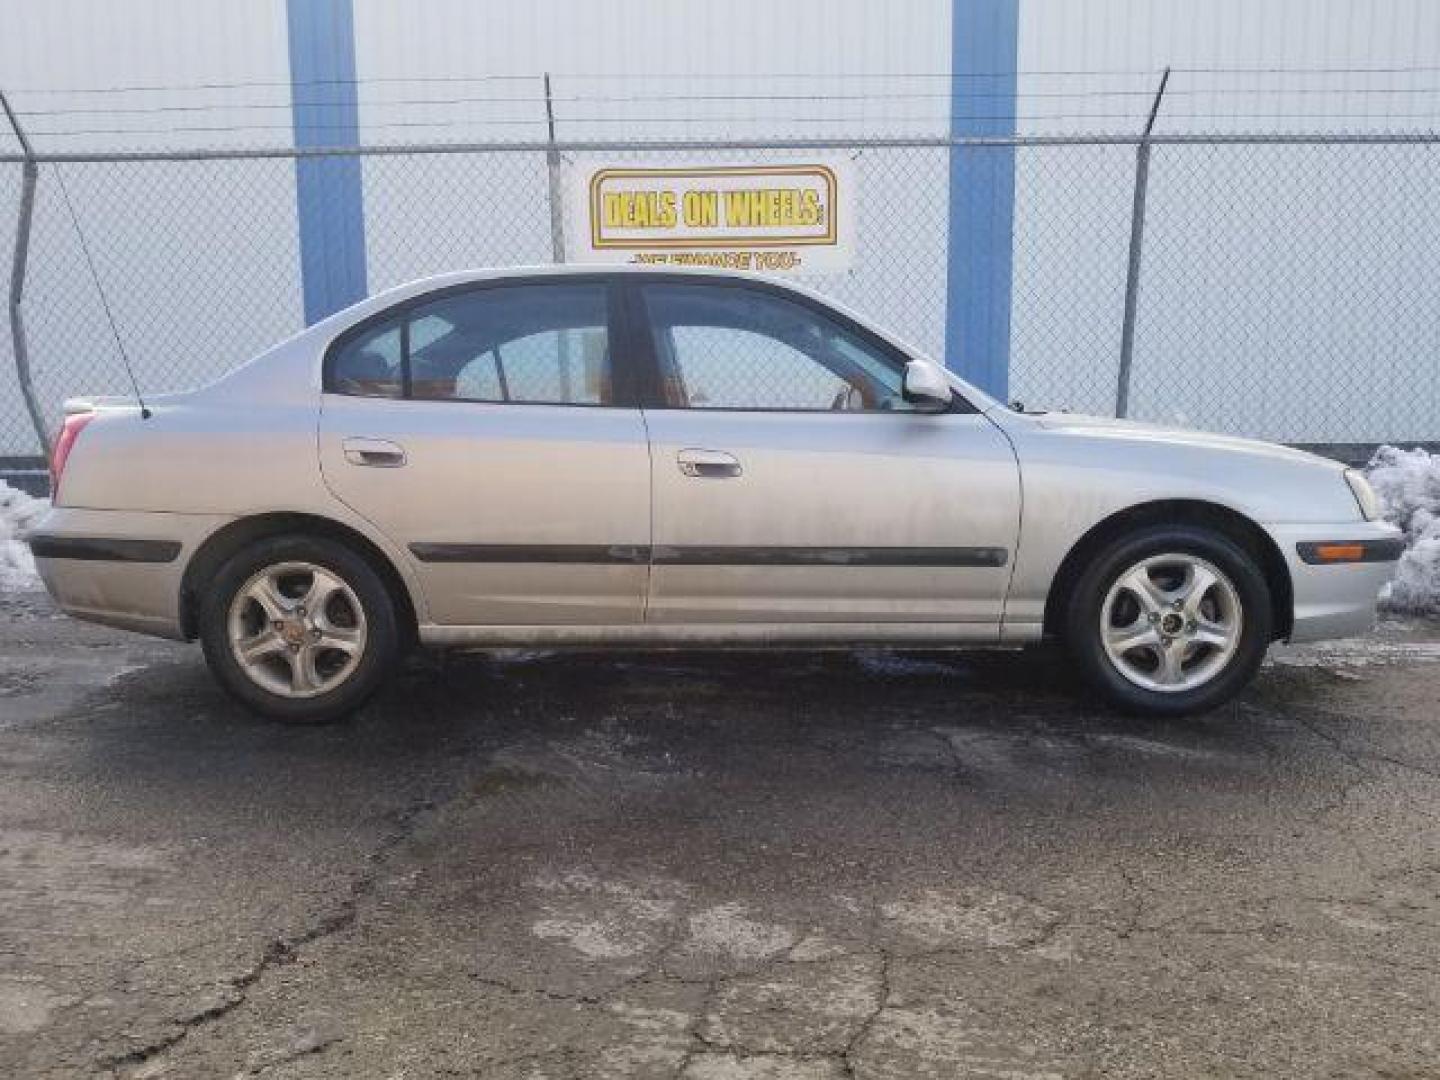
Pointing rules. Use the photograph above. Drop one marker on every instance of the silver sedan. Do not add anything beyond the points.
(660, 459)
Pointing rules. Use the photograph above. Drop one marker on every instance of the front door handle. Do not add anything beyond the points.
(379, 453)
(714, 464)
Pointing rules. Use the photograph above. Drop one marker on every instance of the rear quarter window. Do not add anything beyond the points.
(369, 365)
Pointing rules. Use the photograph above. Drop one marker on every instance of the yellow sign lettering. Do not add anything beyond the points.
(640, 209)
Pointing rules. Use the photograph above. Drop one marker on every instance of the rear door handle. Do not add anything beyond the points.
(379, 453)
(714, 464)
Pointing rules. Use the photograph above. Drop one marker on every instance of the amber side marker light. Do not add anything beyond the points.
(1335, 552)
(1331, 553)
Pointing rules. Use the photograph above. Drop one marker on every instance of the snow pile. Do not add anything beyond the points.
(1408, 483)
(18, 512)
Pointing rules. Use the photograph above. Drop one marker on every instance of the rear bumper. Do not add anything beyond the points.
(1335, 600)
(122, 568)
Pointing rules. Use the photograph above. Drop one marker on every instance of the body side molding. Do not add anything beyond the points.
(632, 554)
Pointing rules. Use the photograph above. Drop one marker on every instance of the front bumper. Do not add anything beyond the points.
(122, 568)
(1335, 600)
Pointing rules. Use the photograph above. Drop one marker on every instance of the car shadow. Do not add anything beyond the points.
(1010, 719)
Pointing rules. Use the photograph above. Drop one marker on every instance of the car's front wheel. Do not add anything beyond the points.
(299, 628)
(1170, 620)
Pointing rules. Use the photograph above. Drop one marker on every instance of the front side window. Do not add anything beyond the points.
(532, 344)
(731, 347)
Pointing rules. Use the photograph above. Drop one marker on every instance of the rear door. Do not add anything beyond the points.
(794, 484)
(489, 431)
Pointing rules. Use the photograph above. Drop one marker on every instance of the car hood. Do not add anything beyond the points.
(1133, 431)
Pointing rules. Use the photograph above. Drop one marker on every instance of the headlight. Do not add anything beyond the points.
(1364, 494)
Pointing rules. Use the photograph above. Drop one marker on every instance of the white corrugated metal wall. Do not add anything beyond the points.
(205, 73)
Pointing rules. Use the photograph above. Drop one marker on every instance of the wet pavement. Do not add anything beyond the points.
(722, 866)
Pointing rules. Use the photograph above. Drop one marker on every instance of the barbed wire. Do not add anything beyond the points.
(1317, 71)
(539, 99)
(510, 122)
(1207, 106)
(536, 76)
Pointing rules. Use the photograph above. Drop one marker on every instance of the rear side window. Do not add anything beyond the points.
(527, 344)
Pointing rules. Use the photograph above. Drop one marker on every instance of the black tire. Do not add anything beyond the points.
(377, 657)
(1083, 619)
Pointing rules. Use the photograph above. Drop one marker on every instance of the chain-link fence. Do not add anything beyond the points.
(1285, 287)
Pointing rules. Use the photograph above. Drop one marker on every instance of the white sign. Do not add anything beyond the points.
(775, 218)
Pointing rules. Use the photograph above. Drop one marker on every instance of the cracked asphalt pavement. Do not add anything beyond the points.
(751, 866)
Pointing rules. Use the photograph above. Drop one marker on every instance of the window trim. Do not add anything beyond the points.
(641, 344)
(624, 384)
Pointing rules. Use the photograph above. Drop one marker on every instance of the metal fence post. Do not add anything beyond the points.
(557, 229)
(30, 174)
(1137, 245)
(552, 168)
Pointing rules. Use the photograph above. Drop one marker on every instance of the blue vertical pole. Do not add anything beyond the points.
(328, 199)
(983, 44)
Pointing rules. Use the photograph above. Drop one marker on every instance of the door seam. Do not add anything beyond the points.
(650, 538)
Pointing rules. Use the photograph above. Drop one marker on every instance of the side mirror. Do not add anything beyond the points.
(926, 386)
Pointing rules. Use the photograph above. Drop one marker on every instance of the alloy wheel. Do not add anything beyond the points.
(297, 629)
(1171, 622)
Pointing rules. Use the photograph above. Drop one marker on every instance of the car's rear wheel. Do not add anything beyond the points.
(1170, 620)
(299, 628)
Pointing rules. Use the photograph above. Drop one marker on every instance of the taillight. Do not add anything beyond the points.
(69, 432)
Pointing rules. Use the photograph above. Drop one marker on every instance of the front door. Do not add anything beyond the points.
(794, 484)
(485, 432)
